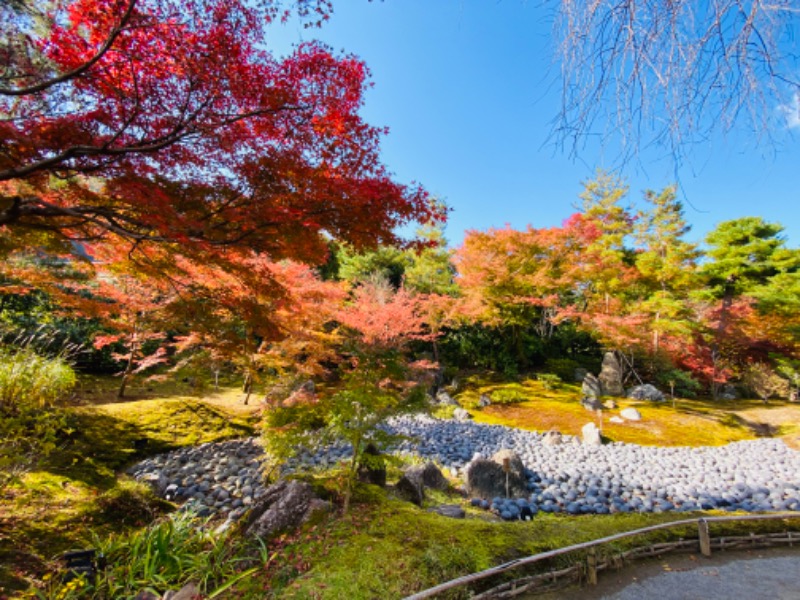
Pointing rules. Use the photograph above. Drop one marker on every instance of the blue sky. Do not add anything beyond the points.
(469, 88)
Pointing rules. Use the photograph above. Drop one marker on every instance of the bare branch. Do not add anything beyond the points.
(673, 70)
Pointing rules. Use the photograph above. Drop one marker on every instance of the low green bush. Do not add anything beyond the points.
(549, 381)
(507, 396)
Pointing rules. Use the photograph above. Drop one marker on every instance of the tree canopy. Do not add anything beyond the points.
(174, 128)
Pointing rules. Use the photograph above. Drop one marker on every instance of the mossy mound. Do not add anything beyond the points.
(77, 490)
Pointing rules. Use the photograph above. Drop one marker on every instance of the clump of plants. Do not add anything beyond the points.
(161, 557)
(30, 421)
(549, 381)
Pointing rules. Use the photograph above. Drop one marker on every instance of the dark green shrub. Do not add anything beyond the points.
(680, 383)
(563, 368)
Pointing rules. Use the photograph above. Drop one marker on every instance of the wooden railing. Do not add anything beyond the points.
(704, 540)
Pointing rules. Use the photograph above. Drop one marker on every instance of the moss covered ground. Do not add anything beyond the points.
(696, 422)
(79, 489)
(383, 548)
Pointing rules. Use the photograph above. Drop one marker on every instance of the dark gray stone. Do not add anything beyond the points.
(487, 479)
(646, 392)
(591, 403)
(284, 506)
(410, 489)
(454, 511)
(430, 476)
(412, 484)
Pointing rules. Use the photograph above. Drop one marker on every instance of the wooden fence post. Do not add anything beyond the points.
(591, 562)
(705, 541)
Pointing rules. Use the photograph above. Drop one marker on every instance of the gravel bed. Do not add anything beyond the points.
(569, 477)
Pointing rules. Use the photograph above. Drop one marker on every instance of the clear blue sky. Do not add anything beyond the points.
(468, 89)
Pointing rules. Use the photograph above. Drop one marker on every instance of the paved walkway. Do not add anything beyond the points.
(772, 574)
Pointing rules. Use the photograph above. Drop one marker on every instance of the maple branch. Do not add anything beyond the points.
(179, 132)
(77, 72)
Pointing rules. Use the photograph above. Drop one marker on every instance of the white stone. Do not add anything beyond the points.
(631, 414)
(591, 435)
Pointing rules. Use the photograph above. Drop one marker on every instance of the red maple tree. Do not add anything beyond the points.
(169, 122)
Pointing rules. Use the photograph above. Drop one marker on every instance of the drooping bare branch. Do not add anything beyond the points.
(673, 72)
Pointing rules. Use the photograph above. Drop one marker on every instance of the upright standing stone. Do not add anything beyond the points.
(591, 387)
(591, 435)
(611, 376)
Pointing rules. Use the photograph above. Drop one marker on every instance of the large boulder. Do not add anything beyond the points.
(646, 392)
(416, 479)
(430, 476)
(591, 435)
(591, 387)
(611, 375)
(488, 479)
(284, 506)
(410, 489)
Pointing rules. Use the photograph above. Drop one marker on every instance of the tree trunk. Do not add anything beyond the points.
(655, 335)
(129, 366)
(247, 388)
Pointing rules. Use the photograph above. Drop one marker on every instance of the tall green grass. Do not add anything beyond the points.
(164, 556)
(28, 379)
(30, 384)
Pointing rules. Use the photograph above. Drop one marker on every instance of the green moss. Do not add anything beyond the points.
(77, 491)
(390, 549)
(688, 423)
